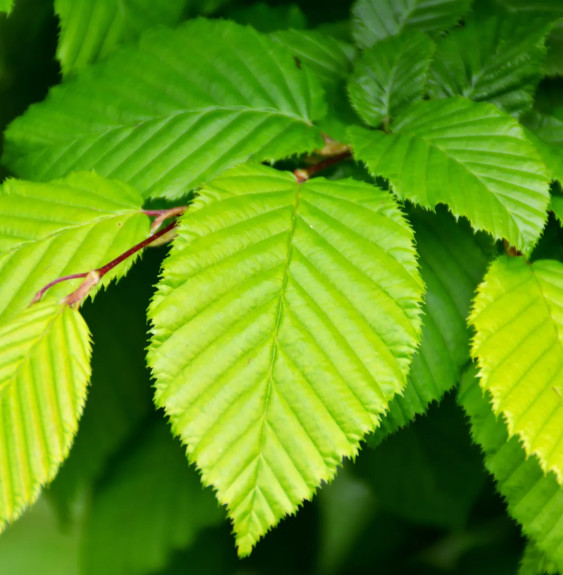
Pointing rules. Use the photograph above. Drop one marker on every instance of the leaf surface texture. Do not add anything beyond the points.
(284, 323)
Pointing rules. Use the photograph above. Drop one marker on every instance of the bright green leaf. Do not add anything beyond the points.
(452, 262)
(557, 207)
(6, 6)
(535, 500)
(495, 59)
(534, 562)
(151, 504)
(67, 226)
(390, 75)
(518, 344)
(284, 323)
(173, 111)
(92, 30)
(44, 373)
(375, 20)
(470, 156)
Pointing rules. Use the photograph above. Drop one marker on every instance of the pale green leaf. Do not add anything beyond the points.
(284, 323)
(468, 155)
(535, 500)
(452, 262)
(374, 20)
(518, 345)
(6, 6)
(390, 75)
(173, 111)
(67, 226)
(44, 373)
(151, 504)
(89, 31)
(534, 562)
(495, 59)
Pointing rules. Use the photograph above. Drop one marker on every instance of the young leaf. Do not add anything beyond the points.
(375, 20)
(389, 76)
(152, 504)
(518, 345)
(67, 226)
(495, 59)
(470, 156)
(92, 30)
(452, 262)
(535, 500)
(44, 373)
(173, 111)
(284, 323)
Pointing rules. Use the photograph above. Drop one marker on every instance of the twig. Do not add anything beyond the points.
(303, 174)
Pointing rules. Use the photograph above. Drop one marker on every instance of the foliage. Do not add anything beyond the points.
(364, 211)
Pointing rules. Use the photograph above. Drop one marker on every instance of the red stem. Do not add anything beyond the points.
(303, 174)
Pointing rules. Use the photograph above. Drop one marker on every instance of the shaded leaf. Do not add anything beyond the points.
(173, 111)
(284, 323)
(89, 31)
(535, 562)
(268, 18)
(470, 156)
(546, 134)
(44, 373)
(63, 227)
(495, 59)
(518, 345)
(389, 76)
(535, 500)
(151, 504)
(375, 20)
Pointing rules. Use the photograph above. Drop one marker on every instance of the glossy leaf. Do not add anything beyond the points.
(89, 31)
(44, 373)
(67, 226)
(173, 111)
(284, 323)
(534, 499)
(375, 20)
(495, 60)
(151, 504)
(470, 156)
(518, 344)
(389, 76)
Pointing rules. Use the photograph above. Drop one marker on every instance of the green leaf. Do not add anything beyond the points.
(429, 472)
(89, 31)
(63, 227)
(546, 134)
(375, 20)
(151, 504)
(44, 373)
(553, 65)
(535, 562)
(452, 262)
(6, 6)
(284, 323)
(470, 156)
(330, 60)
(551, 7)
(496, 59)
(557, 207)
(173, 111)
(535, 500)
(389, 76)
(518, 345)
(268, 18)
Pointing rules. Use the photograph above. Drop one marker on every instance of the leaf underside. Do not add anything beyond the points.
(468, 155)
(172, 111)
(284, 323)
(43, 380)
(518, 345)
(63, 227)
(534, 499)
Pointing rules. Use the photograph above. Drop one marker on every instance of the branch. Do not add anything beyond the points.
(303, 174)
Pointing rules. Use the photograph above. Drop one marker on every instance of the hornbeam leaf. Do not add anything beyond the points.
(390, 75)
(284, 323)
(453, 261)
(375, 20)
(546, 133)
(534, 499)
(173, 111)
(44, 373)
(92, 30)
(495, 59)
(534, 562)
(557, 207)
(151, 504)
(518, 344)
(468, 155)
(6, 6)
(63, 227)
